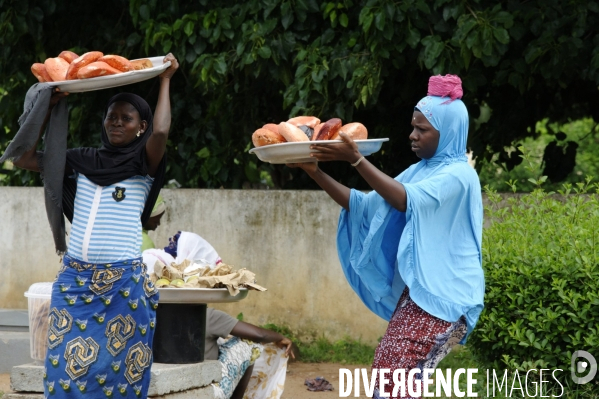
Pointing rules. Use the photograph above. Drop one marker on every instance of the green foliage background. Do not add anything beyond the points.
(540, 254)
(248, 63)
(496, 174)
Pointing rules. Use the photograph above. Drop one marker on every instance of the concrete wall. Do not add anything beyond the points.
(286, 237)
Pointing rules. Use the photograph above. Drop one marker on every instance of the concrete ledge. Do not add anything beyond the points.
(168, 378)
(14, 395)
(197, 393)
(14, 350)
(165, 378)
(206, 392)
(14, 320)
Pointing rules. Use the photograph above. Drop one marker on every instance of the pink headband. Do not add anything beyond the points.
(445, 86)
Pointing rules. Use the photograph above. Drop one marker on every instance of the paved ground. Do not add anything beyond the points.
(297, 373)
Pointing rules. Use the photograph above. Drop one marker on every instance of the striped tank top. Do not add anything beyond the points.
(106, 221)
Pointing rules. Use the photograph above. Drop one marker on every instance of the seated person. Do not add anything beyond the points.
(237, 353)
(236, 344)
(152, 223)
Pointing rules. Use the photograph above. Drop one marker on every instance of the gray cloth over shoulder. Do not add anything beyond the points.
(55, 150)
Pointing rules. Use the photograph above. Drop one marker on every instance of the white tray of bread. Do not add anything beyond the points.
(298, 152)
(95, 71)
(290, 141)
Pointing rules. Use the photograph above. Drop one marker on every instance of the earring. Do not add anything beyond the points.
(138, 133)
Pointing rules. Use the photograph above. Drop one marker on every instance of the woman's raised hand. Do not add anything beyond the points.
(57, 95)
(347, 150)
(170, 71)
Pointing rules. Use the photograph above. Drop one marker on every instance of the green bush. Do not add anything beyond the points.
(540, 255)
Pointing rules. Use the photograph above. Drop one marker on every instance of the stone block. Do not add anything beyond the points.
(168, 378)
(165, 378)
(196, 393)
(14, 349)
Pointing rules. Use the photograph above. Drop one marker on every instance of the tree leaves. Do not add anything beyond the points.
(246, 63)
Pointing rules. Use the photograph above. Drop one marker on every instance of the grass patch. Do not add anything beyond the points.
(321, 350)
(346, 351)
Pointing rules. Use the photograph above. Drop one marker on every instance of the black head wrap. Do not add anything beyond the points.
(109, 164)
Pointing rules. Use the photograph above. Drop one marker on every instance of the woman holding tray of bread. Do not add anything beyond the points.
(411, 249)
(103, 307)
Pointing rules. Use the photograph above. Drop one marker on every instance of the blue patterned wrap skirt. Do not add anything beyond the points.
(101, 325)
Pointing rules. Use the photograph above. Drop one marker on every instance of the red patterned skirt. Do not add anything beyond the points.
(414, 339)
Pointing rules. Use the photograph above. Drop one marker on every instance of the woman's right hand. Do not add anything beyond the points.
(287, 345)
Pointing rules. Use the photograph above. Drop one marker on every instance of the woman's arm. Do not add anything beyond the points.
(156, 145)
(387, 187)
(261, 335)
(29, 159)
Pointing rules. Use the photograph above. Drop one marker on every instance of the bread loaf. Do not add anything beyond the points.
(310, 121)
(355, 130)
(57, 68)
(329, 129)
(291, 133)
(316, 130)
(68, 56)
(117, 62)
(82, 61)
(262, 137)
(142, 63)
(272, 127)
(96, 69)
(39, 71)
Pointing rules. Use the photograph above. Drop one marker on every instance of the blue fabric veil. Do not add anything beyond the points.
(435, 246)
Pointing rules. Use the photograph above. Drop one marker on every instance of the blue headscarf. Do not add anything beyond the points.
(435, 246)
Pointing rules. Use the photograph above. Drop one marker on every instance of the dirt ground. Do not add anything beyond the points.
(297, 373)
(4, 383)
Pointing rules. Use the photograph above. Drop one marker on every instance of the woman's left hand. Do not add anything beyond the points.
(170, 71)
(345, 151)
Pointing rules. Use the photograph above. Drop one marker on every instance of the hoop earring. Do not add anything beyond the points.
(138, 133)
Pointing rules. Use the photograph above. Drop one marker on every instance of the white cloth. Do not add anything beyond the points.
(150, 256)
(194, 248)
(268, 376)
(190, 246)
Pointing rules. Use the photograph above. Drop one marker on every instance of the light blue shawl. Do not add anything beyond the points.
(435, 246)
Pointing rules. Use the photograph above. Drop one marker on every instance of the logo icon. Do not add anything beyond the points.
(589, 365)
(119, 194)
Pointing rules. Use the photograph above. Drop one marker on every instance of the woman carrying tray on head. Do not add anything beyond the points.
(411, 249)
(102, 311)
